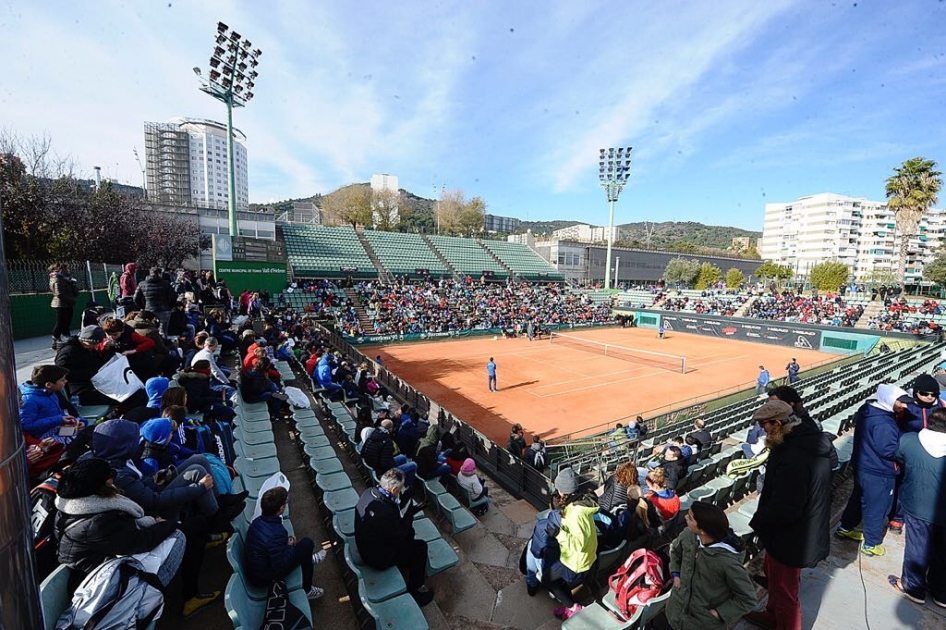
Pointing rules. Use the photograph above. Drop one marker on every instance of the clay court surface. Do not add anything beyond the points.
(555, 389)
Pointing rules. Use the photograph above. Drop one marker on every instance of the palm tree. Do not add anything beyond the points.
(911, 191)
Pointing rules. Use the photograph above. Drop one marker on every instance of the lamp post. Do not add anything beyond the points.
(615, 169)
(617, 268)
(230, 80)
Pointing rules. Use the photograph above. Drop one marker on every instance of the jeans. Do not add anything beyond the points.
(190, 472)
(870, 501)
(163, 318)
(760, 388)
(224, 390)
(783, 609)
(492, 384)
(533, 569)
(169, 567)
(406, 466)
(302, 558)
(924, 559)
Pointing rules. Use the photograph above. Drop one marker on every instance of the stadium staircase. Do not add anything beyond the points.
(742, 310)
(383, 274)
(870, 311)
(441, 257)
(509, 270)
(364, 321)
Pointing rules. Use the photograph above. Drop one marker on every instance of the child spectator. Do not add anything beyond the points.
(41, 406)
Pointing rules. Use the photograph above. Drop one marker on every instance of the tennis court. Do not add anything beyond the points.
(559, 388)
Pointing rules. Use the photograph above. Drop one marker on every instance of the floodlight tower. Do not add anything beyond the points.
(614, 171)
(230, 80)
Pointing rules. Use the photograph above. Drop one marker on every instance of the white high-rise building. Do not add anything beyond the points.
(855, 231)
(386, 183)
(187, 163)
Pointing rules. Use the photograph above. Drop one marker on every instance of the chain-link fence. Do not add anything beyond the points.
(32, 276)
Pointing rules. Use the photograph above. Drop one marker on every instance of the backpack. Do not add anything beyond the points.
(609, 529)
(223, 482)
(641, 578)
(223, 441)
(43, 518)
(118, 593)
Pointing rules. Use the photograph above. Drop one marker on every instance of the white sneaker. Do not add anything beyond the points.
(315, 593)
(318, 557)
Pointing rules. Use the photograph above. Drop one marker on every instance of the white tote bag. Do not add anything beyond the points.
(116, 380)
(278, 479)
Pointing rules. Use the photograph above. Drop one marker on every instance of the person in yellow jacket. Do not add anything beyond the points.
(577, 541)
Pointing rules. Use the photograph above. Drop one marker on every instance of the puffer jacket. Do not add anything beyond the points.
(40, 409)
(711, 578)
(614, 494)
(199, 395)
(91, 529)
(81, 363)
(152, 331)
(155, 294)
(64, 289)
(578, 537)
(378, 451)
(267, 551)
(253, 385)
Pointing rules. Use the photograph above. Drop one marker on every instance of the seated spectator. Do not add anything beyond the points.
(469, 480)
(659, 493)
(154, 388)
(616, 487)
(256, 386)
(41, 455)
(272, 554)
(385, 535)
(710, 584)
(378, 453)
(323, 378)
(146, 324)
(179, 327)
(673, 465)
(700, 435)
(79, 356)
(121, 339)
(456, 452)
(220, 377)
(636, 428)
(41, 406)
(247, 340)
(200, 397)
(409, 434)
(431, 463)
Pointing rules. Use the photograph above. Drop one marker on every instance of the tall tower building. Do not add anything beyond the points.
(186, 163)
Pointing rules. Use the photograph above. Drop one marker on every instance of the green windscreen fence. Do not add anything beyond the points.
(647, 320)
(843, 344)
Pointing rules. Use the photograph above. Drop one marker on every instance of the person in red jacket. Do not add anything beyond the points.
(122, 339)
(128, 282)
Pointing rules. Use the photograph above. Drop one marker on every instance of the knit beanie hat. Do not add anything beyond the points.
(468, 467)
(566, 481)
(91, 333)
(157, 431)
(84, 478)
(925, 383)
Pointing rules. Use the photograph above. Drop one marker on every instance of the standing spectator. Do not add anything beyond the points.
(710, 585)
(65, 294)
(536, 455)
(876, 436)
(272, 554)
(792, 369)
(114, 290)
(762, 380)
(794, 511)
(924, 507)
(128, 282)
(491, 374)
(517, 441)
(155, 294)
(385, 536)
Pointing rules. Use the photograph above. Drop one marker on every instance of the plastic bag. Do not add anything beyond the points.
(297, 398)
(278, 479)
(116, 380)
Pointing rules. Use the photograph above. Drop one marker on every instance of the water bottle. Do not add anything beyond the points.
(74, 399)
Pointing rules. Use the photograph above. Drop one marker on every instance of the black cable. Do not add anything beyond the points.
(863, 586)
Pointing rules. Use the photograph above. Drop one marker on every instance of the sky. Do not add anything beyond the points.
(728, 105)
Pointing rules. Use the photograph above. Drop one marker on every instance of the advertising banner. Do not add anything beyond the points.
(759, 331)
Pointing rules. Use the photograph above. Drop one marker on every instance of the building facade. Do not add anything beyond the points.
(857, 232)
(186, 163)
(584, 233)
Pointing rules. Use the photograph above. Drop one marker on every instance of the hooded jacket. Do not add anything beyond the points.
(128, 282)
(323, 372)
(924, 458)
(920, 412)
(794, 512)
(64, 289)
(155, 388)
(91, 529)
(578, 537)
(40, 411)
(876, 434)
(81, 363)
(711, 578)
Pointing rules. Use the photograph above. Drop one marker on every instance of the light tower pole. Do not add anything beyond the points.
(230, 80)
(614, 171)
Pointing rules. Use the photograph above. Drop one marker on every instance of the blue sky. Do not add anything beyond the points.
(728, 104)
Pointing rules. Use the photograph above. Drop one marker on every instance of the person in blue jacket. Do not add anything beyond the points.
(323, 376)
(41, 407)
(271, 553)
(876, 436)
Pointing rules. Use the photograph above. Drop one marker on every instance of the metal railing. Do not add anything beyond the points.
(32, 276)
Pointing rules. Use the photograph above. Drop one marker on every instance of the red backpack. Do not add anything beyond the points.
(640, 579)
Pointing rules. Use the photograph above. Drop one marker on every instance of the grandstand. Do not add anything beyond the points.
(403, 254)
(322, 252)
(523, 262)
(467, 257)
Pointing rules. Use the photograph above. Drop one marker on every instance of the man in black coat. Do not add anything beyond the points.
(156, 294)
(79, 356)
(385, 536)
(700, 435)
(793, 516)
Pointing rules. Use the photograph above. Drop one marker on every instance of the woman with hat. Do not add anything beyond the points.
(473, 483)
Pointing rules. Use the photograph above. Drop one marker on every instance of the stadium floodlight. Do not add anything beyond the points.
(614, 169)
(229, 83)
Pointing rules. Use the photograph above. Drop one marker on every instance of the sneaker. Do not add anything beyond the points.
(939, 603)
(559, 612)
(318, 557)
(423, 596)
(851, 534)
(571, 612)
(760, 618)
(876, 550)
(898, 585)
(215, 540)
(315, 593)
(197, 603)
(896, 527)
(532, 590)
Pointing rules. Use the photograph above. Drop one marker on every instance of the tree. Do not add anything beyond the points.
(935, 270)
(457, 215)
(882, 277)
(829, 275)
(708, 276)
(349, 205)
(911, 191)
(734, 278)
(771, 270)
(681, 270)
(25, 220)
(386, 207)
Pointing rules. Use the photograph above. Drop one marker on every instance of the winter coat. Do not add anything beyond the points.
(81, 363)
(703, 438)
(253, 384)
(323, 372)
(199, 395)
(794, 511)
(578, 537)
(40, 409)
(128, 340)
(427, 461)
(614, 494)
(876, 436)
(378, 451)
(380, 530)
(152, 331)
(711, 578)
(128, 282)
(674, 471)
(516, 444)
(666, 502)
(64, 289)
(924, 458)
(408, 437)
(177, 323)
(919, 416)
(155, 294)
(267, 552)
(91, 529)
(472, 484)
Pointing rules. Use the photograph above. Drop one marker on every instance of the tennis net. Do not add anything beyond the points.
(657, 359)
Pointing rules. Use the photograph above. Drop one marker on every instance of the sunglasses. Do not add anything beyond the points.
(926, 394)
